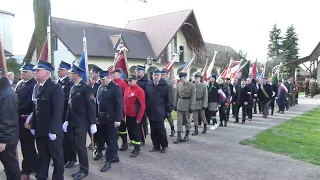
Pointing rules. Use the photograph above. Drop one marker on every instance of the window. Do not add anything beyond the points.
(55, 43)
(181, 51)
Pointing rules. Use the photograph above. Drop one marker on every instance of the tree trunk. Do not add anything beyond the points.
(42, 10)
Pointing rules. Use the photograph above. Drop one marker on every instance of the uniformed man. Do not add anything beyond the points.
(252, 96)
(110, 108)
(165, 75)
(159, 106)
(142, 82)
(66, 84)
(285, 82)
(24, 92)
(225, 102)
(95, 83)
(9, 130)
(200, 105)
(184, 102)
(229, 103)
(134, 107)
(46, 125)
(265, 95)
(116, 75)
(242, 98)
(80, 118)
(214, 101)
(236, 86)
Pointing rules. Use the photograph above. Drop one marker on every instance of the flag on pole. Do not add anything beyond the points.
(48, 40)
(83, 62)
(188, 65)
(261, 75)
(111, 68)
(122, 63)
(243, 71)
(44, 52)
(204, 71)
(3, 64)
(254, 70)
(210, 68)
(170, 63)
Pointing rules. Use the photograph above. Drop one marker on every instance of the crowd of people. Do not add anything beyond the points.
(53, 118)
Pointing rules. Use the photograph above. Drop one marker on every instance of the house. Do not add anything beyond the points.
(156, 38)
(6, 19)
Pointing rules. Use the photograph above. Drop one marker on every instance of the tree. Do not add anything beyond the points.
(274, 46)
(290, 45)
(42, 11)
(13, 66)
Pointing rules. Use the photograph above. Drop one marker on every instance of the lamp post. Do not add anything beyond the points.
(148, 63)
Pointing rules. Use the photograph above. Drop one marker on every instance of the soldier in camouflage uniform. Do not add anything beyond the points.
(185, 98)
(165, 76)
(201, 103)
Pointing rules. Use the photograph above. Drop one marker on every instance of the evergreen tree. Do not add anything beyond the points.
(274, 46)
(290, 45)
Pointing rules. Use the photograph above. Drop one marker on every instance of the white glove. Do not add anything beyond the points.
(52, 137)
(93, 128)
(65, 126)
(245, 103)
(117, 124)
(276, 97)
(33, 132)
(255, 95)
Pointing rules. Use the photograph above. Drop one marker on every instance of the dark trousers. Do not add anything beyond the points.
(234, 110)
(259, 106)
(122, 131)
(80, 140)
(287, 103)
(222, 113)
(227, 112)
(134, 129)
(249, 111)
(144, 129)
(48, 150)
(101, 138)
(69, 152)
(255, 106)
(244, 112)
(272, 105)
(158, 134)
(29, 153)
(10, 163)
(281, 104)
(211, 115)
(111, 138)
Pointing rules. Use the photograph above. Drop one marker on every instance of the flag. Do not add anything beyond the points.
(231, 69)
(122, 63)
(204, 71)
(243, 71)
(44, 52)
(83, 62)
(188, 65)
(222, 94)
(254, 70)
(28, 120)
(275, 80)
(283, 87)
(210, 68)
(261, 75)
(3, 64)
(111, 68)
(170, 63)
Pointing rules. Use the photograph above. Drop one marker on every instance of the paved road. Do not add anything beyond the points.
(214, 156)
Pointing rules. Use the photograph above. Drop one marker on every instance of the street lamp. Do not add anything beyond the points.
(149, 61)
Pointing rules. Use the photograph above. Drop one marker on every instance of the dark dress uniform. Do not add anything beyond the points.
(159, 106)
(232, 93)
(242, 99)
(81, 117)
(143, 84)
(47, 121)
(9, 130)
(110, 103)
(223, 108)
(265, 95)
(69, 153)
(282, 97)
(24, 92)
(253, 91)
(273, 99)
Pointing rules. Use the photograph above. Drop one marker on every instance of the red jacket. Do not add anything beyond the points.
(134, 102)
(121, 83)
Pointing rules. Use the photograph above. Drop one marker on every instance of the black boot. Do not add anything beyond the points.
(225, 123)
(204, 131)
(186, 137)
(178, 138)
(195, 131)
(124, 145)
(172, 132)
(135, 151)
(98, 155)
(106, 166)
(220, 125)
(115, 159)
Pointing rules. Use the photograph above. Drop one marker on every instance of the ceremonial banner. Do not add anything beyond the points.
(170, 63)
(254, 70)
(122, 63)
(243, 71)
(83, 62)
(222, 94)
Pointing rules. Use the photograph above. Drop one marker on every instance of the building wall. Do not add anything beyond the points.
(6, 31)
(62, 54)
(181, 41)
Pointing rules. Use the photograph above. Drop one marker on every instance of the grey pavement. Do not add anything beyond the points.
(216, 155)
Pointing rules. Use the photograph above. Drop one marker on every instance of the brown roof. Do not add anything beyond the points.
(162, 28)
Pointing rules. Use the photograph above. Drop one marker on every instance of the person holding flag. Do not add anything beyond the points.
(225, 94)
(214, 101)
(24, 92)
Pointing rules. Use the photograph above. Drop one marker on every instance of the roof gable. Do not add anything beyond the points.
(161, 29)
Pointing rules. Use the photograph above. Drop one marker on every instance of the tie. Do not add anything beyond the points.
(40, 87)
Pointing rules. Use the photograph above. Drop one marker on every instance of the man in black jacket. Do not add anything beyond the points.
(242, 99)
(81, 117)
(159, 106)
(47, 121)
(110, 108)
(9, 130)
(265, 95)
(142, 82)
(65, 82)
(24, 92)
(253, 94)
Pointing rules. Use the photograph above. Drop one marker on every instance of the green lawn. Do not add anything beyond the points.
(298, 138)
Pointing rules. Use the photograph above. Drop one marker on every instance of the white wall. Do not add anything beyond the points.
(181, 41)
(301, 72)
(6, 31)
(62, 54)
(318, 72)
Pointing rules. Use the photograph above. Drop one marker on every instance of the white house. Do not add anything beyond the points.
(6, 19)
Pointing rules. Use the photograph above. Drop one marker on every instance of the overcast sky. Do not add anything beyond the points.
(241, 24)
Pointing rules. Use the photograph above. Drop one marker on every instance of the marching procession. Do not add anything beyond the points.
(54, 117)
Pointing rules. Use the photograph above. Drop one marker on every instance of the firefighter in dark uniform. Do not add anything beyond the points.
(110, 109)
(81, 117)
(95, 83)
(142, 82)
(159, 106)
(24, 92)
(47, 122)
(66, 84)
(9, 130)
(134, 107)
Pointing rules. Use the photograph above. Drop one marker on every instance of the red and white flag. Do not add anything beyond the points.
(222, 94)
(283, 87)
(28, 121)
(170, 63)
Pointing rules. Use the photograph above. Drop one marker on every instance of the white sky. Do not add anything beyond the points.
(241, 24)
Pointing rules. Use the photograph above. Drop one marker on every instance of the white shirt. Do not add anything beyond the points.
(61, 79)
